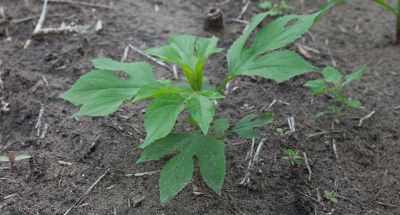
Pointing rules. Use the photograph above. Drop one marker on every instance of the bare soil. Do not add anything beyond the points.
(365, 172)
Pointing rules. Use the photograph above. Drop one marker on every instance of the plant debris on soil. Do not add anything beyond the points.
(87, 165)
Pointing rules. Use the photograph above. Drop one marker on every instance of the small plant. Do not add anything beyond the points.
(275, 9)
(333, 84)
(293, 156)
(102, 92)
(330, 196)
(11, 158)
(395, 11)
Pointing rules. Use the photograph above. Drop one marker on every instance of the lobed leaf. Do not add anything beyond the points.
(141, 71)
(246, 127)
(102, 92)
(277, 34)
(279, 66)
(178, 171)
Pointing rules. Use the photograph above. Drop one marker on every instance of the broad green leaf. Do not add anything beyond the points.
(247, 126)
(278, 66)
(353, 76)
(353, 103)
(386, 5)
(161, 116)
(100, 93)
(140, 73)
(178, 171)
(316, 86)
(202, 110)
(331, 75)
(275, 35)
(221, 125)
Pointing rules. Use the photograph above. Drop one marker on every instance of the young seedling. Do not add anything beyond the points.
(275, 9)
(330, 196)
(102, 92)
(333, 84)
(293, 156)
(395, 11)
(11, 158)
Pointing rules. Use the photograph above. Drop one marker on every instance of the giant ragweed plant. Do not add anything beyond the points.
(102, 92)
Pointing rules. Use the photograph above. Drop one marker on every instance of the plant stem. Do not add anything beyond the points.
(398, 23)
(222, 86)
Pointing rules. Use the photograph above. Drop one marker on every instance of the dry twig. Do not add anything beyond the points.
(244, 9)
(308, 166)
(365, 118)
(87, 192)
(151, 58)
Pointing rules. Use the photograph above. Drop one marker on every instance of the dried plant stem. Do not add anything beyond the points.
(87, 192)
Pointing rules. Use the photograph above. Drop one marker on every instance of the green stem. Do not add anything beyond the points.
(222, 86)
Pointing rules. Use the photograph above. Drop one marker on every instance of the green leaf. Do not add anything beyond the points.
(319, 114)
(175, 175)
(354, 103)
(275, 35)
(22, 157)
(386, 5)
(205, 47)
(190, 53)
(102, 92)
(156, 89)
(211, 157)
(264, 4)
(316, 86)
(5, 158)
(246, 127)
(353, 76)
(139, 73)
(202, 110)
(278, 66)
(221, 125)
(212, 94)
(178, 171)
(331, 75)
(161, 116)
